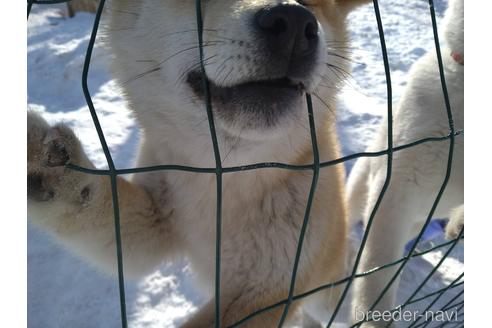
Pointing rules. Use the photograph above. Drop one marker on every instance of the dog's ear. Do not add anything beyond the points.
(348, 5)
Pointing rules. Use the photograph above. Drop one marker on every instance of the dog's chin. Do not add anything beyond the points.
(256, 107)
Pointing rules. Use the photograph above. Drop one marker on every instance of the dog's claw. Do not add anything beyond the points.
(36, 189)
(56, 154)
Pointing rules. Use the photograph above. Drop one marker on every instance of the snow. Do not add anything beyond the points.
(63, 291)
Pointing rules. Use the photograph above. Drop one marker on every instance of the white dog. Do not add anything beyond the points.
(418, 172)
(261, 57)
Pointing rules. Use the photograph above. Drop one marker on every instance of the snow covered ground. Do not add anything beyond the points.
(63, 291)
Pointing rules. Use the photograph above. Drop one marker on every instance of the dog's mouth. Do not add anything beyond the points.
(253, 104)
(195, 80)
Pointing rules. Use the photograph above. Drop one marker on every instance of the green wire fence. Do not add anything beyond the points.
(112, 172)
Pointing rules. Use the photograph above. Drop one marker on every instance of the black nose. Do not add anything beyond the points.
(290, 29)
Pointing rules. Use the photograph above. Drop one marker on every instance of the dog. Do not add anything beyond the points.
(418, 172)
(261, 58)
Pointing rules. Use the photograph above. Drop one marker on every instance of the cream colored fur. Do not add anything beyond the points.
(168, 214)
(417, 173)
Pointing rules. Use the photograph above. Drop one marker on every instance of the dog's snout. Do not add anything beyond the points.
(290, 29)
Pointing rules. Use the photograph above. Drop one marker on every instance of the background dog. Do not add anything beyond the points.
(261, 57)
(417, 172)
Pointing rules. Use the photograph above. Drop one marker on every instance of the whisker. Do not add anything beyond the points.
(234, 145)
(335, 83)
(189, 31)
(324, 103)
(196, 65)
(346, 79)
(341, 70)
(208, 42)
(344, 45)
(214, 31)
(120, 29)
(222, 66)
(329, 86)
(350, 60)
(157, 68)
(125, 12)
(225, 78)
(180, 52)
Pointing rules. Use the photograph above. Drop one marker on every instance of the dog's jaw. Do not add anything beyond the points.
(255, 105)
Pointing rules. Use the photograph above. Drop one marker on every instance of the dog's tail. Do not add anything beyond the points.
(357, 189)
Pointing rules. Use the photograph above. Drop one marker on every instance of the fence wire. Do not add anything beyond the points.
(112, 172)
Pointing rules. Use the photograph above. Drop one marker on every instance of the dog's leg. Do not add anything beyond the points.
(309, 322)
(456, 222)
(76, 208)
(357, 188)
(235, 308)
(384, 245)
(392, 228)
(318, 308)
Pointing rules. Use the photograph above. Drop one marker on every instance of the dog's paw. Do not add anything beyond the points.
(49, 149)
(456, 222)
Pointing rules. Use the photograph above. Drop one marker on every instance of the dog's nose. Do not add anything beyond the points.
(290, 29)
